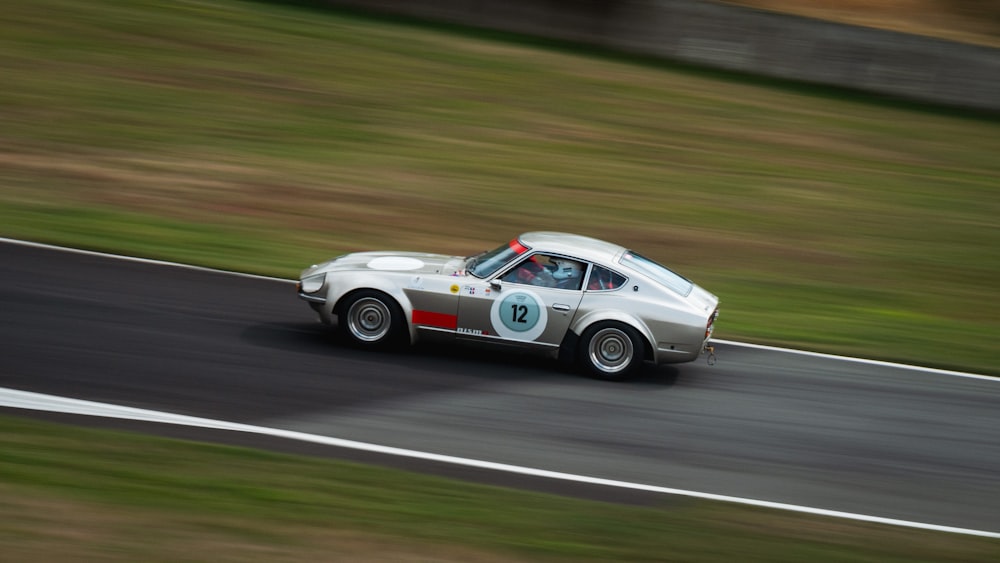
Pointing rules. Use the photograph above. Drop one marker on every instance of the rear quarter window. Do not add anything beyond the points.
(603, 279)
(676, 282)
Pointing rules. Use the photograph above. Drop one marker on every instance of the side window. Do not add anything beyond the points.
(548, 271)
(604, 279)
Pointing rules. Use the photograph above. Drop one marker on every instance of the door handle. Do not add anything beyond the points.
(560, 307)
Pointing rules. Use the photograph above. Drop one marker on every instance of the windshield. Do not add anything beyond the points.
(662, 274)
(486, 264)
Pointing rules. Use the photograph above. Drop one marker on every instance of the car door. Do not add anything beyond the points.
(511, 308)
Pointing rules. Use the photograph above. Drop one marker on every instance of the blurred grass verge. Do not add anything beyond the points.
(81, 494)
(265, 136)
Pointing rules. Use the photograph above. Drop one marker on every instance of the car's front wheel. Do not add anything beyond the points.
(371, 319)
(611, 350)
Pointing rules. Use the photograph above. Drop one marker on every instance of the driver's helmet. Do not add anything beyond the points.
(566, 269)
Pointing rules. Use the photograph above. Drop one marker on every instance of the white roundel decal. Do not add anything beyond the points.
(519, 315)
(395, 263)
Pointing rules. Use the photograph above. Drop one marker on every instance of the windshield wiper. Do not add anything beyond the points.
(472, 261)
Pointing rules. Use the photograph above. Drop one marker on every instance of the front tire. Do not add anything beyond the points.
(371, 319)
(612, 351)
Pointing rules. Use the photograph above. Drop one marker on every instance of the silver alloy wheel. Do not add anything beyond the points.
(611, 350)
(369, 319)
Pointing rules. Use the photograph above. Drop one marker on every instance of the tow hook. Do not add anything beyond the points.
(711, 354)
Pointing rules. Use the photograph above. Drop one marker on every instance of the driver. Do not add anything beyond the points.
(567, 273)
(530, 272)
(558, 272)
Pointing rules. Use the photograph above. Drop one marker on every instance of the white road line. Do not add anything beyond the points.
(726, 342)
(858, 360)
(13, 398)
(138, 260)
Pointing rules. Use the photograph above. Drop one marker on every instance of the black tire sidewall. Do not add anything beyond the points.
(638, 352)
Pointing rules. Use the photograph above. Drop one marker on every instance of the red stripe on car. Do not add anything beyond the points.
(430, 318)
(517, 247)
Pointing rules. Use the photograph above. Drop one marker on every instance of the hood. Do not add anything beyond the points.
(387, 261)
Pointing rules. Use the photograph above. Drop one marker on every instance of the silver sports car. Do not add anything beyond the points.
(575, 297)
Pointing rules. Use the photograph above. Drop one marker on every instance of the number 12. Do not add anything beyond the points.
(518, 313)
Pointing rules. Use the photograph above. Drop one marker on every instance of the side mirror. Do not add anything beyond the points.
(495, 284)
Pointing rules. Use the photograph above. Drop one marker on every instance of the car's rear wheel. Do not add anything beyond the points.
(611, 350)
(371, 319)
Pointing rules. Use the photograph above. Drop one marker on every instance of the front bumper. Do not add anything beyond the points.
(316, 296)
(315, 300)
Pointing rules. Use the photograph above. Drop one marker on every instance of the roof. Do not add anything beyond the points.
(572, 245)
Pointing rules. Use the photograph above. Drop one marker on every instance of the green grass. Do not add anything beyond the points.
(261, 137)
(84, 494)
(265, 137)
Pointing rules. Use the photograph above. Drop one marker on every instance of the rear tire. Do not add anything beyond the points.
(611, 351)
(371, 319)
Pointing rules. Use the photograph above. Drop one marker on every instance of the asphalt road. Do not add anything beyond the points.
(759, 424)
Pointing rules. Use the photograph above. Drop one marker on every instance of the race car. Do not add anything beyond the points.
(603, 306)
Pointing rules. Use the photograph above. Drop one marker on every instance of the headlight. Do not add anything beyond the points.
(312, 284)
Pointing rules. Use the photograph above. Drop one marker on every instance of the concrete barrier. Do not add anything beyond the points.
(730, 37)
